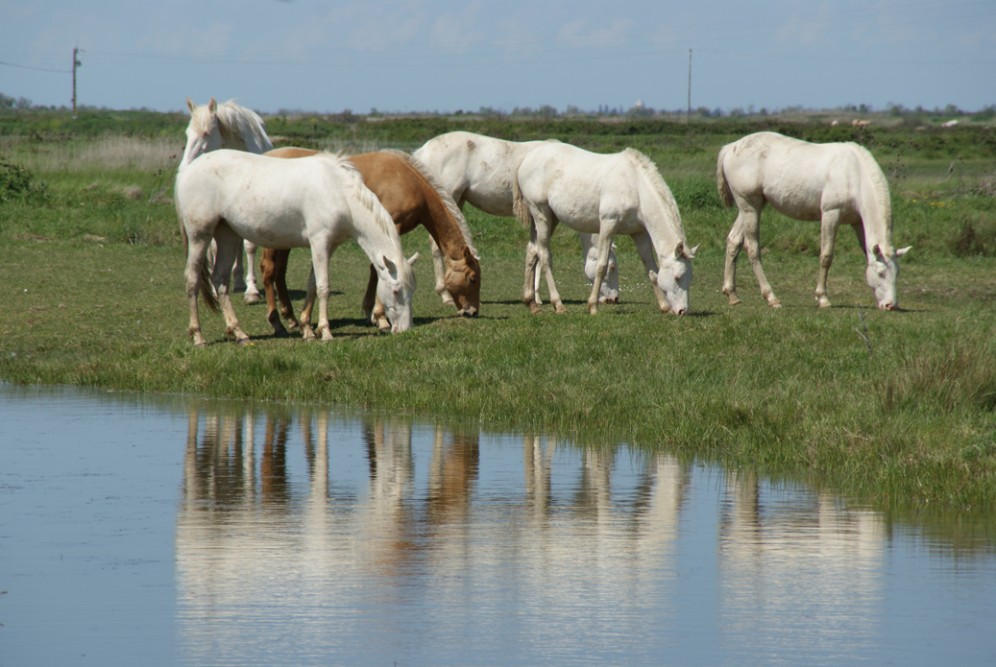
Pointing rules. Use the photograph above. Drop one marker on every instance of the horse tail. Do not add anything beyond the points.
(207, 290)
(722, 185)
(520, 209)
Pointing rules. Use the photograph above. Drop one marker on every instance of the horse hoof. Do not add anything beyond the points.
(251, 298)
(775, 304)
(534, 308)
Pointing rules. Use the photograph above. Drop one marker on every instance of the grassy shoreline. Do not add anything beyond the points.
(891, 408)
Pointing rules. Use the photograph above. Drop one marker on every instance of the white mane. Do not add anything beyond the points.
(880, 187)
(240, 127)
(369, 201)
(652, 175)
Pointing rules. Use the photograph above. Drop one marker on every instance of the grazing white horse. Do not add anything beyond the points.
(228, 125)
(317, 202)
(480, 170)
(621, 193)
(835, 183)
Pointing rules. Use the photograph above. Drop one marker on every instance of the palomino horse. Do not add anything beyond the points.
(621, 193)
(228, 125)
(315, 202)
(480, 170)
(409, 193)
(836, 183)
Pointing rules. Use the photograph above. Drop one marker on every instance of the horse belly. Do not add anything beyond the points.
(577, 212)
(793, 195)
(269, 226)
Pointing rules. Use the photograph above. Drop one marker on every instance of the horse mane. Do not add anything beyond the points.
(873, 176)
(369, 201)
(652, 175)
(447, 199)
(240, 125)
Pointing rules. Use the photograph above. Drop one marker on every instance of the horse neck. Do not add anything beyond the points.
(373, 228)
(444, 222)
(658, 210)
(874, 204)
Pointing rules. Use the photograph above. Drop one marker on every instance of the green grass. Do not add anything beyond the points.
(896, 409)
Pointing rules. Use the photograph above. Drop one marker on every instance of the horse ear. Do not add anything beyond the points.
(413, 258)
(392, 268)
(653, 276)
(690, 253)
(191, 105)
(903, 251)
(213, 105)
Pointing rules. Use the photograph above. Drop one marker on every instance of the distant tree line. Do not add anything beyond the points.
(638, 110)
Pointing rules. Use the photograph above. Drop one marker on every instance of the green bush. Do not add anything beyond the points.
(17, 183)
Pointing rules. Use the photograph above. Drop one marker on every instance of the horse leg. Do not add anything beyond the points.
(829, 222)
(320, 269)
(645, 248)
(252, 292)
(543, 233)
(734, 241)
(197, 261)
(601, 267)
(228, 250)
(309, 303)
(372, 307)
(267, 267)
(439, 268)
(751, 220)
(529, 290)
(281, 258)
(609, 291)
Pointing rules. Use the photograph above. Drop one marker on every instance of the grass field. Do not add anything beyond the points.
(895, 409)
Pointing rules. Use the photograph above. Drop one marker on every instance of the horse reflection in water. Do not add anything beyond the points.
(799, 574)
(333, 543)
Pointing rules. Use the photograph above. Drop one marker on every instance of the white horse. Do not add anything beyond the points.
(621, 193)
(479, 170)
(317, 202)
(228, 125)
(835, 183)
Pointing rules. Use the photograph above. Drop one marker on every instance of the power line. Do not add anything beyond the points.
(36, 69)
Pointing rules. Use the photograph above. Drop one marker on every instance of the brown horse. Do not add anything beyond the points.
(412, 197)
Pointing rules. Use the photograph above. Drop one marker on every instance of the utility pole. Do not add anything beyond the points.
(688, 115)
(76, 64)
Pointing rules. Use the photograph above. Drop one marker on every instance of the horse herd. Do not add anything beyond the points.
(234, 192)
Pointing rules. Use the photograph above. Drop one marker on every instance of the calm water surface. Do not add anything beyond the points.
(156, 531)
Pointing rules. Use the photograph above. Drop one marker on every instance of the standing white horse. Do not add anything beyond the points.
(317, 202)
(228, 125)
(480, 170)
(621, 193)
(835, 183)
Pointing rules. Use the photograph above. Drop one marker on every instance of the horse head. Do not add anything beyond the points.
(674, 277)
(881, 274)
(395, 289)
(462, 279)
(608, 292)
(203, 131)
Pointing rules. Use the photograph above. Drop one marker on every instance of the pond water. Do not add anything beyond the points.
(178, 531)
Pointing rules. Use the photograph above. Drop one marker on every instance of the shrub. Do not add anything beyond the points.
(17, 183)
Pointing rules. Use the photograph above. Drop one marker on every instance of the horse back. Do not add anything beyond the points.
(798, 178)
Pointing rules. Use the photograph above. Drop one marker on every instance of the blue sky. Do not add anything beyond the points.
(442, 55)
